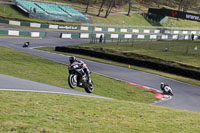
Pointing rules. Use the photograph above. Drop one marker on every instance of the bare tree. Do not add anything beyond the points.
(130, 7)
(88, 3)
(100, 9)
(158, 2)
(109, 8)
(189, 4)
(184, 5)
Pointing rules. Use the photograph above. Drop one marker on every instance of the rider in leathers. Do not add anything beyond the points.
(73, 59)
(164, 87)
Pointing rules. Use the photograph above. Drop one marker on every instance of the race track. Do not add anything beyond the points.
(15, 84)
(185, 96)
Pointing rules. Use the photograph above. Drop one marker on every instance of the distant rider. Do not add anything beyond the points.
(73, 59)
(165, 88)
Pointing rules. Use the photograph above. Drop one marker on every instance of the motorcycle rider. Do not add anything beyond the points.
(165, 88)
(73, 59)
(26, 44)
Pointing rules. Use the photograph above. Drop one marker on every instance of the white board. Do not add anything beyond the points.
(84, 28)
(53, 26)
(114, 36)
(66, 36)
(35, 34)
(14, 22)
(13, 32)
(84, 35)
(36, 25)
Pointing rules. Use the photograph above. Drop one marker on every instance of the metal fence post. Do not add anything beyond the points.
(132, 42)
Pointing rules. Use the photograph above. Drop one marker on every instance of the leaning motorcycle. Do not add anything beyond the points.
(168, 91)
(77, 77)
(26, 44)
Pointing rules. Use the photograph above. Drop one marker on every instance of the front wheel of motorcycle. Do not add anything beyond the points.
(89, 88)
(171, 93)
(72, 80)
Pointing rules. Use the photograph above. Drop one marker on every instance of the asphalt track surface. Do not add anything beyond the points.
(15, 84)
(185, 97)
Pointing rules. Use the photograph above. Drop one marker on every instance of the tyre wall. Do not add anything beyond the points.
(147, 64)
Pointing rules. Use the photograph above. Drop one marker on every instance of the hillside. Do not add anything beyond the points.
(135, 17)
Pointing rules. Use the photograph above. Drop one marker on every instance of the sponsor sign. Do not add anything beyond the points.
(114, 36)
(128, 36)
(153, 36)
(135, 31)
(66, 36)
(99, 34)
(84, 35)
(67, 27)
(36, 25)
(156, 31)
(146, 31)
(53, 26)
(164, 37)
(111, 29)
(35, 34)
(140, 36)
(185, 32)
(123, 30)
(14, 22)
(175, 37)
(84, 28)
(98, 29)
(13, 32)
(176, 32)
(174, 13)
(192, 17)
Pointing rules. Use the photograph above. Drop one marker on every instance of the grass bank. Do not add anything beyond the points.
(30, 67)
(9, 12)
(40, 112)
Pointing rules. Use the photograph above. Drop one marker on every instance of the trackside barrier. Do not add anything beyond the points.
(100, 53)
(22, 33)
(103, 29)
(125, 36)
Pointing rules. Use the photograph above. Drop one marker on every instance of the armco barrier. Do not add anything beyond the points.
(22, 33)
(103, 29)
(126, 36)
(156, 66)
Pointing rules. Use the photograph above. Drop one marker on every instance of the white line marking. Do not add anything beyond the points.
(52, 92)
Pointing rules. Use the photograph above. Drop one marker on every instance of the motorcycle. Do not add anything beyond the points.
(77, 77)
(167, 90)
(26, 44)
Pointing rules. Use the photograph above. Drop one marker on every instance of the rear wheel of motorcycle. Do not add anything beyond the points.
(89, 88)
(72, 81)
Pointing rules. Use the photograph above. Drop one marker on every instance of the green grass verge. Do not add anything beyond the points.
(173, 22)
(30, 67)
(15, 36)
(134, 19)
(40, 112)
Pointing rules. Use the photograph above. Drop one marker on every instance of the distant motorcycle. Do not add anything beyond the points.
(77, 77)
(26, 44)
(167, 90)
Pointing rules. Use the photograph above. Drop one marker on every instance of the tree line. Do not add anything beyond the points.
(181, 5)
